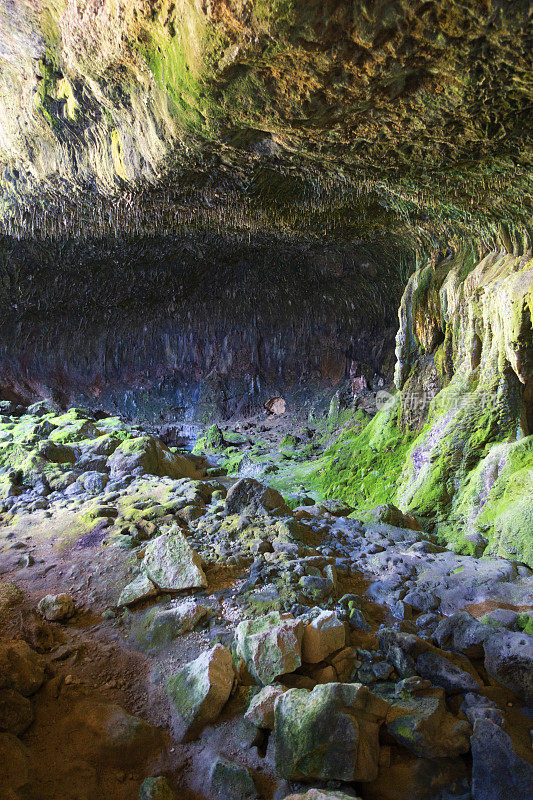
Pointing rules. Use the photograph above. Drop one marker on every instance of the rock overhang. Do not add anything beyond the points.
(301, 117)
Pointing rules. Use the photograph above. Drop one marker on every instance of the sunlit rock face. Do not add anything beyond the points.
(421, 107)
(196, 327)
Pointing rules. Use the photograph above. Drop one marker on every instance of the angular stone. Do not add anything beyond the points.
(172, 564)
(164, 625)
(140, 588)
(423, 725)
(261, 709)
(229, 781)
(409, 778)
(321, 794)
(509, 660)
(56, 607)
(10, 595)
(21, 668)
(156, 789)
(322, 637)
(199, 691)
(250, 497)
(463, 633)
(391, 515)
(498, 773)
(16, 714)
(330, 733)
(108, 735)
(441, 672)
(148, 455)
(270, 645)
(14, 765)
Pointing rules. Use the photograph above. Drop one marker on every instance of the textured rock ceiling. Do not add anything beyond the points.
(313, 116)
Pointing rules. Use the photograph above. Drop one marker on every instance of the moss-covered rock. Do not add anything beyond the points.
(199, 691)
(270, 645)
(330, 733)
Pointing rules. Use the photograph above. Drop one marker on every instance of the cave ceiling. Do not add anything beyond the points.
(300, 117)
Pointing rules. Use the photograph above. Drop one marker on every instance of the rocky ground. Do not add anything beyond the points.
(167, 631)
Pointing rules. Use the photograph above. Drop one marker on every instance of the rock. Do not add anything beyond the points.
(21, 668)
(172, 564)
(509, 660)
(10, 595)
(498, 773)
(422, 724)
(270, 645)
(140, 588)
(56, 607)
(199, 691)
(408, 778)
(476, 706)
(321, 794)
(148, 455)
(94, 482)
(276, 406)
(323, 636)
(164, 625)
(330, 733)
(108, 735)
(410, 655)
(250, 497)
(463, 633)
(261, 710)
(391, 515)
(42, 407)
(228, 781)
(16, 713)
(441, 672)
(14, 766)
(156, 789)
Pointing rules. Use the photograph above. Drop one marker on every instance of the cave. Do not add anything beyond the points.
(266, 400)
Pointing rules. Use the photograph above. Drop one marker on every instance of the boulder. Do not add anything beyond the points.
(14, 766)
(330, 733)
(276, 406)
(21, 668)
(171, 564)
(148, 455)
(462, 633)
(164, 625)
(509, 660)
(270, 645)
(441, 672)
(321, 794)
(140, 588)
(261, 710)
(229, 781)
(157, 788)
(422, 724)
(10, 595)
(405, 777)
(16, 714)
(109, 736)
(391, 515)
(323, 636)
(498, 773)
(56, 607)
(199, 691)
(250, 497)
(410, 655)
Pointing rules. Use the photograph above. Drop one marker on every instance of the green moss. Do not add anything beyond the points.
(362, 466)
(525, 623)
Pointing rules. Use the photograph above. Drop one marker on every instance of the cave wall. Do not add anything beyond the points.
(194, 327)
(454, 445)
